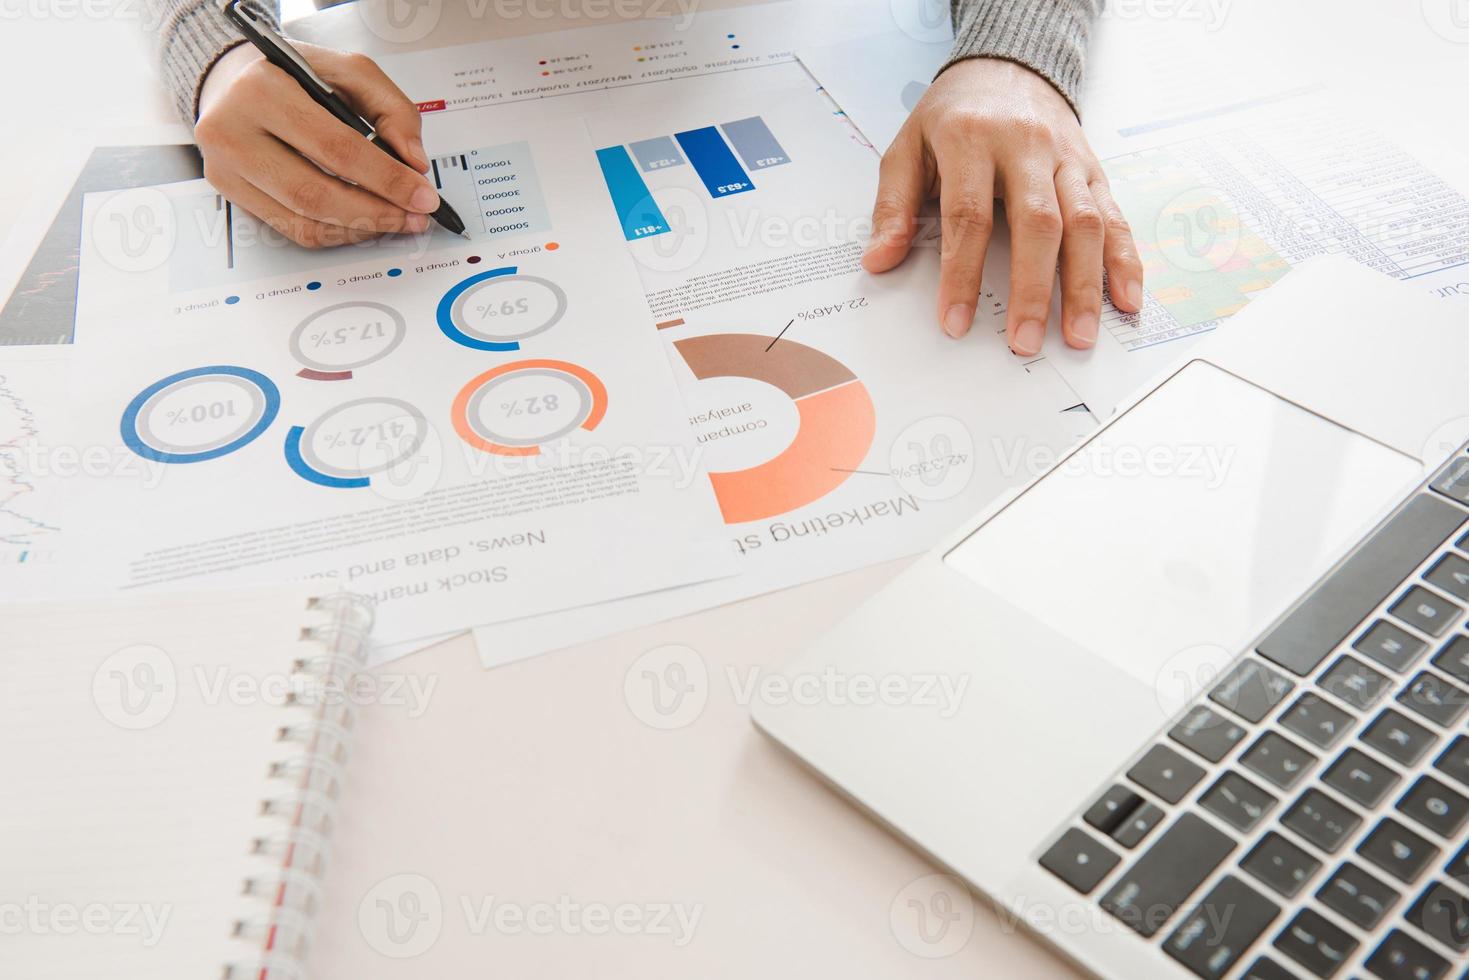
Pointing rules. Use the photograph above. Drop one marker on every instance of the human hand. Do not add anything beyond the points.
(990, 129)
(268, 148)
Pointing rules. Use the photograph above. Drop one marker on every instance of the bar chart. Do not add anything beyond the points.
(722, 156)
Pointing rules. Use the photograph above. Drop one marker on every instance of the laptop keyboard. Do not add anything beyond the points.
(1309, 816)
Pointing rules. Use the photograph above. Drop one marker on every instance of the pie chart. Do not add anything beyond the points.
(836, 425)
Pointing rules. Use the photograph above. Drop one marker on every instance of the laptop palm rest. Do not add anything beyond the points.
(1079, 616)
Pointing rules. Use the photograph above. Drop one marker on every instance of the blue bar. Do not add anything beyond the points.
(716, 165)
(631, 198)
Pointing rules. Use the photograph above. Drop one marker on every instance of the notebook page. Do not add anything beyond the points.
(140, 735)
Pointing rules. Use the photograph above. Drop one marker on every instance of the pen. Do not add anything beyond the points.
(278, 52)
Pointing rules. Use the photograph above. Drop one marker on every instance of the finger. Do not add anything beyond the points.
(967, 210)
(1081, 259)
(315, 133)
(1035, 232)
(301, 230)
(904, 178)
(381, 102)
(1119, 254)
(311, 192)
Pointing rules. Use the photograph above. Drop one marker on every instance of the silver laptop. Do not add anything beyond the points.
(1214, 664)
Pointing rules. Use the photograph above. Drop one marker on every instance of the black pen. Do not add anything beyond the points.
(278, 52)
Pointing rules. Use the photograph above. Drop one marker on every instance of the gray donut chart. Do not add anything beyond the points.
(298, 350)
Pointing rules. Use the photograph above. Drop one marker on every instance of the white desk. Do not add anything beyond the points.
(572, 795)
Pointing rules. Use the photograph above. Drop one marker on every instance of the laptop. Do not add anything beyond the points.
(1214, 663)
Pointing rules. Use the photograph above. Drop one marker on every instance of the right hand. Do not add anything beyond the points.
(268, 148)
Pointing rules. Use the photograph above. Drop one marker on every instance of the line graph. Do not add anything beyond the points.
(24, 527)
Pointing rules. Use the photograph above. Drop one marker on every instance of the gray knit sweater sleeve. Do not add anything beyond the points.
(191, 37)
(1047, 36)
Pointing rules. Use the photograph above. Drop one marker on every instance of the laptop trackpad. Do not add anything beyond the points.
(1191, 522)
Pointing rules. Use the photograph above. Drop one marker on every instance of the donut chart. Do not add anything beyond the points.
(497, 309)
(514, 409)
(344, 447)
(200, 414)
(336, 340)
(837, 422)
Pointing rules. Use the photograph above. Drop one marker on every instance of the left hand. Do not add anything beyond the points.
(990, 129)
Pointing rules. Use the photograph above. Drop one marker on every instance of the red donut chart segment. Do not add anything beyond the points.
(837, 422)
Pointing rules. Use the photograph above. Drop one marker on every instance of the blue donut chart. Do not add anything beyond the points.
(445, 313)
(271, 405)
(305, 471)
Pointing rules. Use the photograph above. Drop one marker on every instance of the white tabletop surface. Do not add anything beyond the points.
(545, 783)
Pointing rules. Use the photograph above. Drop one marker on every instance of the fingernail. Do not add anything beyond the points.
(958, 319)
(424, 200)
(1028, 337)
(1084, 328)
(415, 145)
(417, 222)
(1135, 294)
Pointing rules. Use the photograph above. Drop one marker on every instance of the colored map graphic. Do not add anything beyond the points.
(836, 428)
(1201, 259)
(21, 531)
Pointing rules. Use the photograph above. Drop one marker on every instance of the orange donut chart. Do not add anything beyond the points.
(836, 429)
(463, 414)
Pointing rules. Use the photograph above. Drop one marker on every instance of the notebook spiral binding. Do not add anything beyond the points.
(284, 896)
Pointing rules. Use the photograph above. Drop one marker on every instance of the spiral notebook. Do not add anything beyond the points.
(169, 780)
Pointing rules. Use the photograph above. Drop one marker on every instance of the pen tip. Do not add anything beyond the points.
(465, 235)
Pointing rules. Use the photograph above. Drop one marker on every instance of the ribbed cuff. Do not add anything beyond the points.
(1047, 36)
(194, 35)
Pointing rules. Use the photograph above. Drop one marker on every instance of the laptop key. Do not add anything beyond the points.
(1237, 801)
(1390, 645)
(1454, 761)
(1264, 968)
(1138, 825)
(1208, 733)
(1278, 759)
(1333, 609)
(1397, 850)
(1427, 611)
(1398, 738)
(1251, 690)
(1165, 773)
(1453, 480)
(1318, 722)
(1079, 860)
(1401, 957)
(1212, 938)
(1450, 573)
(1435, 699)
(1453, 659)
(1313, 942)
(1458, 866)
(1444, 914)
(1360, 778)
(1147, 894)
(1435, 806)
(1111, 808)
(1355, 683)
(1320, 820)
(1280, 865)
(1357, 896)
